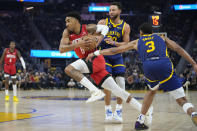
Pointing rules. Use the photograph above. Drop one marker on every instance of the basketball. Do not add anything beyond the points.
(92, 45)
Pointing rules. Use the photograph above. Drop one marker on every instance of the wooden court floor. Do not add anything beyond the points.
(66, 110)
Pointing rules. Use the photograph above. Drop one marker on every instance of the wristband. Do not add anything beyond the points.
(114, 43)
(97, 53)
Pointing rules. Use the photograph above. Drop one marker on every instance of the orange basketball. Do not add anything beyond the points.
(90, 46)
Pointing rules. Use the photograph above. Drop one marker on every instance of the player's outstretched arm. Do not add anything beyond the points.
(22, 60)
(65, 45)
(115, 50)
(112, 51)
(1, 59)
(174, 46)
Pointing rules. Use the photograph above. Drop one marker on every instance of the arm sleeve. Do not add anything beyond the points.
(22, 62)
(103, 29)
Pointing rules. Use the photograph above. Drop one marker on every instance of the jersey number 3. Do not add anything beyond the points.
(151, 46)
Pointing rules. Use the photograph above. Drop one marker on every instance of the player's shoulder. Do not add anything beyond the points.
(16, 50)
(65, 33)
(102, 21)
(127, 26)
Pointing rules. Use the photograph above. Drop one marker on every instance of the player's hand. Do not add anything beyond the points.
(81, 43)
(110, 41)
(89, 58)
(195, 68)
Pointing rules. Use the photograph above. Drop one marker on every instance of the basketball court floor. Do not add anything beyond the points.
(66, 110)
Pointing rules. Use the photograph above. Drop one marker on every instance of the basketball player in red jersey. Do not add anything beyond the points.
(71, 40)
(9, 57)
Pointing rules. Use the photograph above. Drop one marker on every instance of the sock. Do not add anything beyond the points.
(120, 81)
(85, 82)
(14, 90)
(108, 107)
(193, 113)
(135, 104)
(6, 92)
(186, 106)
(141, 118)
(118, 106)
(111, 85)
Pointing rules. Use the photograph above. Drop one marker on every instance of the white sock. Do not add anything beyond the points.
(14, 89)
(108, 107)
(141, 118)
(111, 85)
(6, 92)
(120, 81)
(85, 82)
(118, 106)
(135, 104)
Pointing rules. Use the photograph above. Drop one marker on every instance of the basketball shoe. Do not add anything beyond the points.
(96, 95)
(118, 116)
(15, 99)
(194, 117)
(7, 98)
(108, 115)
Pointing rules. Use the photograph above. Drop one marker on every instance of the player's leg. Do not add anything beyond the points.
(142, 118)
(118, 71)
(108, 107)
(188, 107)
(14, 86)
(111, 85)
(13, 76)
(107, 98)
(103, 79)
(6, 76)
(76, 70)
(6, 86)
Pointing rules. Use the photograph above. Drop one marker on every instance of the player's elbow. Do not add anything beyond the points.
(177, 48)
(62, 50)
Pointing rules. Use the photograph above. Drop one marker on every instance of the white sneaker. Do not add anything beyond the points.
(108, 115)
(149, 116)
(194, 118)
(96, 95)
(118, 116)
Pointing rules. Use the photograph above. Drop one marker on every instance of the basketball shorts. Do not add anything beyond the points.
(9, 70)
(96, 68)
(162, 72)
(115, 65)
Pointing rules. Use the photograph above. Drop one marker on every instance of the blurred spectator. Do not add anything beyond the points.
(71, 83)
(1, 81)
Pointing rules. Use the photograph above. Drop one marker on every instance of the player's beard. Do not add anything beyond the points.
(114, 17)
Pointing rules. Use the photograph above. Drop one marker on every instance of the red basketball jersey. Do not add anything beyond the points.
(81, 53)
(10, 57)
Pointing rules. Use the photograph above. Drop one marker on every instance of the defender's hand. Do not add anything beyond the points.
(110, 41)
